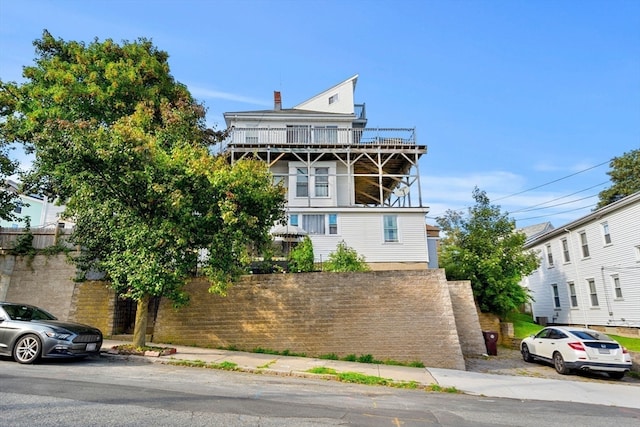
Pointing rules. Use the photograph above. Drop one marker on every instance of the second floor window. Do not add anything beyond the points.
(565, 250)
(584, 244)
(302, 182)
(18, 208)
(605, 233)
(549, 256)
(322, 182)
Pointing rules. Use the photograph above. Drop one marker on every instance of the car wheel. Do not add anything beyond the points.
(27, 349)
(616, 375)
(526, 356)
(558, 363)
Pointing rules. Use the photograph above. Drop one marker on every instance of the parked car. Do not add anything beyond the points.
(569, 349)
(28, 333)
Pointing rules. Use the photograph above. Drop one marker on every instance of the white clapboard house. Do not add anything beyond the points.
(590, 269)
(345, 181)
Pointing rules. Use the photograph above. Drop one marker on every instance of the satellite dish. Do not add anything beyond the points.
(401, 191)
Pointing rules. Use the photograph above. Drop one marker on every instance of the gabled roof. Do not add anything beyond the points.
(535, 230)
(595, 215)
(342, 96)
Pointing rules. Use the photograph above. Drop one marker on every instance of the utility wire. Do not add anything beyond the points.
(553, 206)
(552, 182)
(559, 198)
(557, 213)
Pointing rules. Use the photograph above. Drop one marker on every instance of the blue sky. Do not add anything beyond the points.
(528, 100)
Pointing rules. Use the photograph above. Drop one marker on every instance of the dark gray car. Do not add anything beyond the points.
(28, 333)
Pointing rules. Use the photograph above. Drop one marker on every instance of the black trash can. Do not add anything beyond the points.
(491, 341)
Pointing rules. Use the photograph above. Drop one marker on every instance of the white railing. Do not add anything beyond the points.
(321, 136)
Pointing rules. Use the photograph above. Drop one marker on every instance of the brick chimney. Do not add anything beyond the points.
(277, 101)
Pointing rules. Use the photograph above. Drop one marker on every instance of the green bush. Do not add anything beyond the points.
(301, 257)
(345, 258)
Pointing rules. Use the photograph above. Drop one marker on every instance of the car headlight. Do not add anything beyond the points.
(57, 335)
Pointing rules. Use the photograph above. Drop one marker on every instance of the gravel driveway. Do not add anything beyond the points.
(509, 362)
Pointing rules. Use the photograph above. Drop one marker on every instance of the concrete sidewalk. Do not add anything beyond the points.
(489, 385)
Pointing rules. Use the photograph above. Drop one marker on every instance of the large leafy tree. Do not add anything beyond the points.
(484, 248)
(127, 148)
(8, 167)
(625, 177)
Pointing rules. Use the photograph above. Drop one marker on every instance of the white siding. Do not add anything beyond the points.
(618, 258)
(362, 229)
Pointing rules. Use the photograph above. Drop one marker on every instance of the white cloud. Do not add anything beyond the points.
(214, 94)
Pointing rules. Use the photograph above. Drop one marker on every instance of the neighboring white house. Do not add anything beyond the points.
(41, 211)
(344, 181)
(590, 268)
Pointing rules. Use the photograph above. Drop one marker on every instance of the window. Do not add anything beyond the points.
(322, 182)
(593, 293)
(333, 224)
(18, 208)
(293, 219)
(556, 295)
(605, 233)
(313, 224)
(549, 255)
(617, 289)
(390, 228)
(584, 244)
(333, 98)
(302, 182)
(637, 253)
(565, 250)
(298, 134)
(573, 297)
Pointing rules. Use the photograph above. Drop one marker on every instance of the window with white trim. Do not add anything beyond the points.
(321, 182)
(617, 288)
(390, 224)
(18, 207)
(573, 297)
(549, 255)
(556, 295)
(584, 244)
(333, 98)
(593, 292)
(302, 182)
(333, 224)
(565, 250)
(313, 224)
(638, 253)
(605, 233)
(293, 219)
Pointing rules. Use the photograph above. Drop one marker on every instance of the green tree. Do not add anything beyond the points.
(625, 176)
(301, 257)
(485, 249)
(127, 148)
(344, 259)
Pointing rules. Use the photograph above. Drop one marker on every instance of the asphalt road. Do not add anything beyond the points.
(118, 392)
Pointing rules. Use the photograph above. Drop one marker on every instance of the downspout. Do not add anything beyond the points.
(606, 294)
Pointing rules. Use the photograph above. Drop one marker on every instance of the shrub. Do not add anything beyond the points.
(301, 257)
(345, 258)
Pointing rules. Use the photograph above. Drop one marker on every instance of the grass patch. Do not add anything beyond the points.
(330, 356)
(440, 389)
(225, 366)
(523, 325)
(357, 378)
(632, 344)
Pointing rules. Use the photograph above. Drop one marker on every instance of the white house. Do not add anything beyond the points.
(590, 269)
(345, 181)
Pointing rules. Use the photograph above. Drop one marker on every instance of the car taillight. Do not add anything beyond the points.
(576, 346)
(624, 350)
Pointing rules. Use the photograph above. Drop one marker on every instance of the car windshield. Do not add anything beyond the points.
(26, 312)
(591, 335)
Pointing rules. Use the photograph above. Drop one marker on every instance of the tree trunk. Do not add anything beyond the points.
(140, 329)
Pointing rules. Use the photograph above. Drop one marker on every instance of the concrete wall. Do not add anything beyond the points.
(399, 315)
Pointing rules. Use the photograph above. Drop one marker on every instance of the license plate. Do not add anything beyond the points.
(603, 350)
(91, 347)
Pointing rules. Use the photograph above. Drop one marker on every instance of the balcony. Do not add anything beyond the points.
(320, 137)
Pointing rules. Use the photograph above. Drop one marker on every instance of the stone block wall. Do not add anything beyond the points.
(467, 320)
(399, 315)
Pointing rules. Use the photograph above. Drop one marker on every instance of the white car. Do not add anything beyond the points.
(569, 348)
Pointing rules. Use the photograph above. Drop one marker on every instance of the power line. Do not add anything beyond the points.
(553, 206)
(557, 213)
(559, 198)
(552, 182)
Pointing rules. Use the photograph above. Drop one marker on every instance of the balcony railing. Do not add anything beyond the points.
(320, 136)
